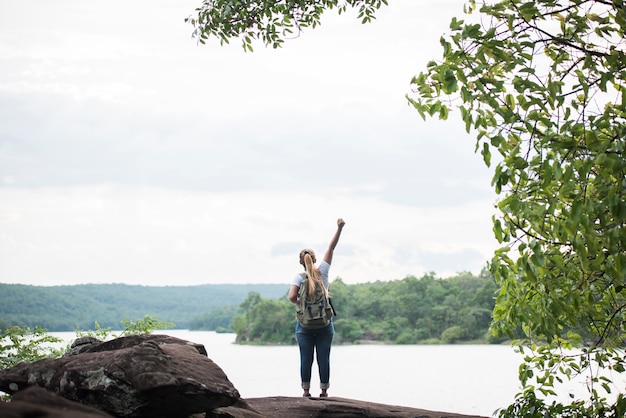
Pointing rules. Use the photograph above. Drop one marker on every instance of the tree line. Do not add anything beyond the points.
(67, 308)
(408, 311)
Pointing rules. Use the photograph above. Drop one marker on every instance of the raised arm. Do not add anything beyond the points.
(328, 257)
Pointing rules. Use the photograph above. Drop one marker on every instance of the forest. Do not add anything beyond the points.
(67, 308)
(427, 310)
(407, 311)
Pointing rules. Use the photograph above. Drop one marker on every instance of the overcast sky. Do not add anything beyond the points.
(131, 154)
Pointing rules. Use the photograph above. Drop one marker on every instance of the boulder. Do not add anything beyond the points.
(135, 376)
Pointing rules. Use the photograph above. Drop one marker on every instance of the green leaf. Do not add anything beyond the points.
(510, 101)
(449, 82)
(486, 153)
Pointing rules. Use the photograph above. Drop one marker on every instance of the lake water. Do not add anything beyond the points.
(467, 379)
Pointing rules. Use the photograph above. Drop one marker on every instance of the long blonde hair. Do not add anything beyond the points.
(307, 259)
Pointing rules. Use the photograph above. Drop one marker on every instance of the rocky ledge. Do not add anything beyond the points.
(157, 376)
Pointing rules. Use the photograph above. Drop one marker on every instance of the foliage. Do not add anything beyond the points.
(407, 311)
(147, 325)
(452, 334)
(264, 321)
(26, 344)
(97, 332)
(65, 308)
(218, 319)
(268, 21)
(528, 405)
(541, 83)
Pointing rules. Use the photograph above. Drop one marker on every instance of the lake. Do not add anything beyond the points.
(467, 379)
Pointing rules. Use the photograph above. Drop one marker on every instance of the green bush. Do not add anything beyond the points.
(24, 344)
(406, 337)
(27, 345)
(452, 335)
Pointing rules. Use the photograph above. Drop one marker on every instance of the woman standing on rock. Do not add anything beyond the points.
(315, 340)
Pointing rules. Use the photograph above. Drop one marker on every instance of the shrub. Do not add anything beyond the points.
(452, 335)
(26, 345)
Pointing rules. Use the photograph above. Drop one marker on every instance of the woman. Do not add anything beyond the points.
(315, 340)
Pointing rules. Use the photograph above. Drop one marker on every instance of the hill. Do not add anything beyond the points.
(66, 308)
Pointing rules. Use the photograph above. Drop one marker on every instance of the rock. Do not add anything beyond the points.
(81, 344)
(136, 376)
(289, 407)
(38, 402)
(271, 407)
(93, 345)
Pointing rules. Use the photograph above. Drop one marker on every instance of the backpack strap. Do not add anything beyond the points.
(330, 302)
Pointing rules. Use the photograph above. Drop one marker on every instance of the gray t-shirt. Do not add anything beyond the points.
(324, 267)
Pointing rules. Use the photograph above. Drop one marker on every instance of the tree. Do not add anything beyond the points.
(268, 21)
(264, 321)
(541, 85)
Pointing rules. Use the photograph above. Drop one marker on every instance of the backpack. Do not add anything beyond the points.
(313, 312)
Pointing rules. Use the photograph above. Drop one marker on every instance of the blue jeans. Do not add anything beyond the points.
(318, 341)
